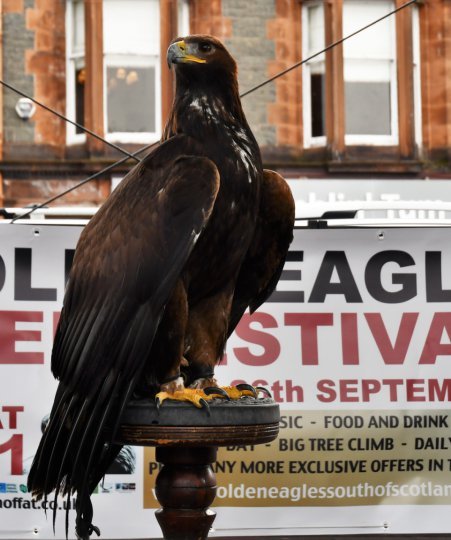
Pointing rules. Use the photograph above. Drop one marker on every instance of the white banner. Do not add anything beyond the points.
(355, 345)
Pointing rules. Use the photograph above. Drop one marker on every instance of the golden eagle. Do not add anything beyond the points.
(195, 234)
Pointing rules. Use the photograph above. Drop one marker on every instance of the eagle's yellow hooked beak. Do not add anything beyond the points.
(178, 53)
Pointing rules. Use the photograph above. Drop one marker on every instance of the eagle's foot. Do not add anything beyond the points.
(176, 391)
(243, 390)
(196, 397)
(199, 394)
(211, 388)
(199, 397)
(235, 392)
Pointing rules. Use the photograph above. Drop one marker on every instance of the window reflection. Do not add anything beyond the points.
(130, 96)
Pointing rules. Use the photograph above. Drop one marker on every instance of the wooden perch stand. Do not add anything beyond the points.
(186, 441)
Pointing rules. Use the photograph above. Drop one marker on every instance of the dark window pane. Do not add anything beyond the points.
(368, 108)
(317, 100)
(80, 76)
(131, 99)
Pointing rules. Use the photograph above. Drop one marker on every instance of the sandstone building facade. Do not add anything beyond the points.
(377, 106)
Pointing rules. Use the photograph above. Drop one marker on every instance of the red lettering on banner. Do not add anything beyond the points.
(12, 415)
(326, 387)
(349, 339)
(393, 385)
(9, 335)
(277, 391)
(308, 324)
(349, 390)
(392, 354)
(393, 350)
(270, 344)
(370, 387)
(439, 390)
(360, 390)
(282, 391)
(415, 389)
(366, 390)
(433, 346)
(294, 392)
(15, 446)
(260, 382)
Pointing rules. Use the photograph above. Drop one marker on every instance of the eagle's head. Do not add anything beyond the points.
(200, 57)
(206, 85)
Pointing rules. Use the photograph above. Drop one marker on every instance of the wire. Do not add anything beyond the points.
(257, 87)
(76, 124)
(331, 46)
(85, 181)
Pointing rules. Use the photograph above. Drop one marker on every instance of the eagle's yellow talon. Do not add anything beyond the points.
(199, 397)
(239, 391)
(215, 391)
(160, 397)
(247, 390)
(192, 395)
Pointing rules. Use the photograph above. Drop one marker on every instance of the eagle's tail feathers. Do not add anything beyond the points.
(125, 399)
(91, 448)
(49, 483)
(41, 479)
(86, 446)
(61, 484)
(98, 444)
(66, 520)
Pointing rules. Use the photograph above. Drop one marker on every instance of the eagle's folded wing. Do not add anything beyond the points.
(127, 262)
(265, 259)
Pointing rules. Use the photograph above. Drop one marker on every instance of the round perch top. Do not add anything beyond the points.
(246, 421)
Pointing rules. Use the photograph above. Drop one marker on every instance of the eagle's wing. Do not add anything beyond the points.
(127, 261)
(264, 261)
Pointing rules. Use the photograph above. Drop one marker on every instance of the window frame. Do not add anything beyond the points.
(130, 60)
(375, 139)
(417, 115)
(134, 60)
(73, 62)
(309, 140)
(405, 122)
(183, 20)
(95, 63)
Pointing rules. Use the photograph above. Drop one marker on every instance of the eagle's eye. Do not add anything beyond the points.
(205, 47)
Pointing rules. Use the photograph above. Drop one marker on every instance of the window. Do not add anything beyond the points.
(183, 18)
(114, 75)
(314, 75)
(131, 41)
(416, 76)
(76, 73)
(369, 74)
(355, 94)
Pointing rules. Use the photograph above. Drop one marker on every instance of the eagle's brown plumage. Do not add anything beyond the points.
(193, 236)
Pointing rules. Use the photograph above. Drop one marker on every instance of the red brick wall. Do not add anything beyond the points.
(435, 24)
(20, 193)
(206, 18)
(47, 63)
(286, 112)
(12, 6)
